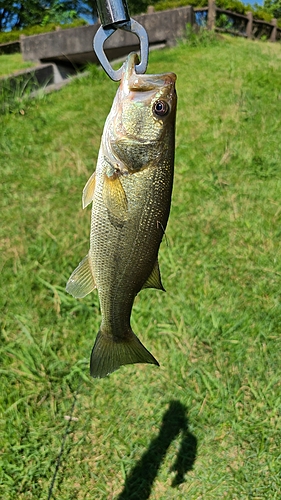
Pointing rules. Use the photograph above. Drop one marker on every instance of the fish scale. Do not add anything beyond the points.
(136, 243)
(131, 195)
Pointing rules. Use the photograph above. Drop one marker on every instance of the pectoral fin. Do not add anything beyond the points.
(81, 282)
(89, 190)
(114, 196)
(154, 280)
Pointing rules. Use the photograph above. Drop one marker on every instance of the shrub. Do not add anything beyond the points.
(198, 38)
(170, 4)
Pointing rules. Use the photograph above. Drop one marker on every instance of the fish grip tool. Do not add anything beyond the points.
(114, 15)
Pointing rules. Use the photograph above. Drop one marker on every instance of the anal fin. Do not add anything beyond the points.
(154, 280)
(81, 281)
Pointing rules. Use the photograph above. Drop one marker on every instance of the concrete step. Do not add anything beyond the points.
(42, 75)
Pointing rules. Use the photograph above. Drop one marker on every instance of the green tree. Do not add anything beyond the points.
(6, 13)
(22, 13)
(60, 13)
(138, 6)
(273, 7)
(93, 11)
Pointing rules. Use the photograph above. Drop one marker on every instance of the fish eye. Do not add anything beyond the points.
(161, 108)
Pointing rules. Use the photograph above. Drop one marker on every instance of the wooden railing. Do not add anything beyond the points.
(226, 21)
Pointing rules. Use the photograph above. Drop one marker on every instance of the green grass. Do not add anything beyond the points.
(206, 424)
(12, 63)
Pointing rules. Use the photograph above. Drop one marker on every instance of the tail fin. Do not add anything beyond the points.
(109, 354)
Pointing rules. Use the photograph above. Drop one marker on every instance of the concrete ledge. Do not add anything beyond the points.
(32, 79)
(75, 46)
(10, 48)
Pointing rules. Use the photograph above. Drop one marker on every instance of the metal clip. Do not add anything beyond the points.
(104, 33)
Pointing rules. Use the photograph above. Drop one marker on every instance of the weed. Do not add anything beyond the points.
(224, 21)
(201, 37)
(15, 91)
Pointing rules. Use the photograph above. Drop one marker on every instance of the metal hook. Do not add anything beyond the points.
(104, 33)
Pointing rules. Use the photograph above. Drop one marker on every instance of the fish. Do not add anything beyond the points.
(130, 192)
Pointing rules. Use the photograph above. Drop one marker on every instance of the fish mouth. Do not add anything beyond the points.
(131, 81)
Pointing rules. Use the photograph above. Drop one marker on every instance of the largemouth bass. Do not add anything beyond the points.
(130, 193)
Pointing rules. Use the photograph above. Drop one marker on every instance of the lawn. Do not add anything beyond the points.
(206, 424)
(12, 63)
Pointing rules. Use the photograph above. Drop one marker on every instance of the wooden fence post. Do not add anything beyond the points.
(192, 17)
(150, 9)
(249, 28)
(211, 15)
(274, 30)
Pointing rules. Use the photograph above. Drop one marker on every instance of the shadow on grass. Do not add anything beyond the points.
(139, 482)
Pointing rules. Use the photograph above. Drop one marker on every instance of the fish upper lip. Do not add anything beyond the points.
(150, 82)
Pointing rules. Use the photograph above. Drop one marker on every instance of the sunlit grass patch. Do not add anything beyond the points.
(11, 63)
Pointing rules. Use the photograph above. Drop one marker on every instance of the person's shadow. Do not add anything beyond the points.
(139, 482)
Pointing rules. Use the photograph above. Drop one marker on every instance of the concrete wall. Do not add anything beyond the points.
(10, 47)
(75, 46)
